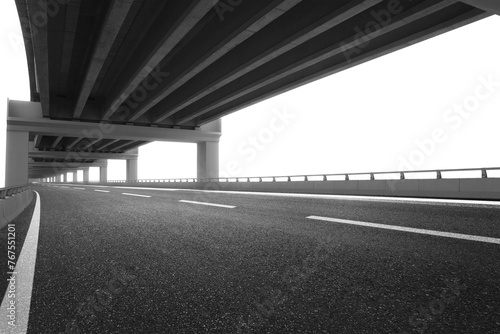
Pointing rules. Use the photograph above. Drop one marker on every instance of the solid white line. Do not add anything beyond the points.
(78, 188)
(412, 200)
(25, 269)
(102, 191)
(210, 204)
(411, 229)
(127, 194)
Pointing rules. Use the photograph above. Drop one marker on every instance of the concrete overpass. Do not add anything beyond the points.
(109, 76)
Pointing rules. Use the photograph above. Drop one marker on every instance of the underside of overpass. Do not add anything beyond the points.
(109, 76)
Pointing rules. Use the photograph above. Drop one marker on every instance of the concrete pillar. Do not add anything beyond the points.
(103, 172)
(208, 160)
(16, 166)
(65, 177)
(86, 175)
(75, 176)
(132, 166)
(131, 169)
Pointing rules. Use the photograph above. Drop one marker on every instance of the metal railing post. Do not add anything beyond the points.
(484, 174)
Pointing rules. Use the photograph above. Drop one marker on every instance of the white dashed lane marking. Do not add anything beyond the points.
(137, 195)
(410, 229)
(209, 204)
(102, 191)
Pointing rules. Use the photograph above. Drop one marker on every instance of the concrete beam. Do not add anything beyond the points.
(232, 104)
(491, 6)
(101, 147)
(306, 56)
(127, 143)
(41, 52)
(73, 143)
(53, 170)
(27, 116)
(68, 164)
(55, 143)
(72, 12)
(37, 141)
(277, 46)
(79, 155)
(114, 20)
(259, 20)
(142, 66)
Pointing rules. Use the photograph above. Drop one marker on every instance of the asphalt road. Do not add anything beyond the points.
(108, 262)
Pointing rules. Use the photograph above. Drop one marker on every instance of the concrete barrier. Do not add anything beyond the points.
(479, 189)
(12, 206)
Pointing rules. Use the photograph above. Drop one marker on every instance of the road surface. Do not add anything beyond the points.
(133, 260)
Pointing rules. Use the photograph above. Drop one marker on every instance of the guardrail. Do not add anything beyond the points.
(13, 190)
(321, 177)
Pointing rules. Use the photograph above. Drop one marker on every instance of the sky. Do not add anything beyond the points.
(433, 105)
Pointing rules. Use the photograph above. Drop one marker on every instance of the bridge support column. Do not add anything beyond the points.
(103, 171)
(208, 160)
(65, 177)
(75, 176)
(16, 166)
(86, 177)
(132, 166)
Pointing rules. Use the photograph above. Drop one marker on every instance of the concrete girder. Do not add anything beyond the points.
(158, 47)
(276, 47)
(79, 155)
(114, 19)
(41, 55)
(307, 57)
(282, 84)
(55, 143)
(68, 164)
(492, 6)
(27, 116)
(271, 11)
